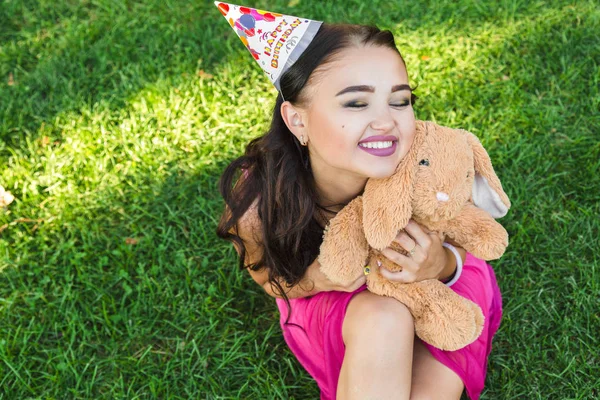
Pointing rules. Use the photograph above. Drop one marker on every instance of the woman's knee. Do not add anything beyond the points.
(371, 315)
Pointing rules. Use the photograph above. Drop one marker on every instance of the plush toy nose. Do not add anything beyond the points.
(441, 196)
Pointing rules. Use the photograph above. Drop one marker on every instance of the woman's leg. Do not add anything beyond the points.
(378, 333)
(384, 361)
(431, 379)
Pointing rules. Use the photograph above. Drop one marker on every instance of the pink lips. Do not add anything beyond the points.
(381, 152)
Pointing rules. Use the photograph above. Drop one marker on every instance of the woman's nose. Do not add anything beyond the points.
(383, 121)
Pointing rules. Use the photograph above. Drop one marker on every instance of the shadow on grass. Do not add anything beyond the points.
(131, 292)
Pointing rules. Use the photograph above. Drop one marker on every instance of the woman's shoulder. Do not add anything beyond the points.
(249, 222)
(249, 230)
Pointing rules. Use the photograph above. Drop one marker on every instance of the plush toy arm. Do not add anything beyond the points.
(478, 233)
(387, 202)
(344, 250)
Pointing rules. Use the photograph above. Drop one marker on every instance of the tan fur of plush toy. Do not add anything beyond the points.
(446, 183)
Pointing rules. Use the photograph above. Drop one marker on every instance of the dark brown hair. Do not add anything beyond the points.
(279, 171)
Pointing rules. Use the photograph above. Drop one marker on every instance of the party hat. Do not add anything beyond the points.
(276, 41)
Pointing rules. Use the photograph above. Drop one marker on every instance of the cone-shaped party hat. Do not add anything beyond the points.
(276, 41)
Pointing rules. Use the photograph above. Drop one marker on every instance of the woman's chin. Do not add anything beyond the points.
(380, 173)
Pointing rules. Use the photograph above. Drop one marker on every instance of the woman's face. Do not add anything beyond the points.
(359, 119)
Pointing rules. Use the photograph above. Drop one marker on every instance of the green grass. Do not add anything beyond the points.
(117, 117)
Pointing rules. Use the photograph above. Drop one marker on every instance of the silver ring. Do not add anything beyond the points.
(412, 251)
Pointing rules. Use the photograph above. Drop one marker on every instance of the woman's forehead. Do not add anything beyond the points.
(378, 67)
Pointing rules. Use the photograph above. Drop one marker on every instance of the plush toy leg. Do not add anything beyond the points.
(344, 251)
(479, 318)
(478, 233)
(442, 318)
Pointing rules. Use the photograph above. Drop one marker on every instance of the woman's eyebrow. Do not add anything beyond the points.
(401, 87)
(371, 89)
(360, 88)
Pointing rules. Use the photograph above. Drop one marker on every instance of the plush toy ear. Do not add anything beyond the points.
(387, 202)
(487, 190)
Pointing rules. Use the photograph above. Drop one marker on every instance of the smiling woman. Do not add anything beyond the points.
(347, 117)
(341, 115)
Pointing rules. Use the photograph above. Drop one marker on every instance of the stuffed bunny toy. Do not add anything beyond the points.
(447, 184)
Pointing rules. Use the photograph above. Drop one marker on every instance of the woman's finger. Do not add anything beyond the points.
(405, 262)
(415, 252)
(404, 240)
(361, 280)
(358, 285)
(418, 234)
(397, 276)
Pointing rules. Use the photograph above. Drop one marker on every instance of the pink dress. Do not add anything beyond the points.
(320, 347)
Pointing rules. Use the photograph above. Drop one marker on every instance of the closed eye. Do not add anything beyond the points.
(355, 104)
(360, 104)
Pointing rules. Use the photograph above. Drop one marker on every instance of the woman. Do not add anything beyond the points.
(349, 87)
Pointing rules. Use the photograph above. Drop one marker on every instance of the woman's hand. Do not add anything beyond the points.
(323, 284)
(427, 260)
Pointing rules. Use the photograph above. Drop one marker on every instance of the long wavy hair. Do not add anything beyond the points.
(278, 170)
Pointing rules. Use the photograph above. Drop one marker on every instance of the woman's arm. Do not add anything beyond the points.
(304, 288)
(248, 230)
(313, 281)
(450, 267)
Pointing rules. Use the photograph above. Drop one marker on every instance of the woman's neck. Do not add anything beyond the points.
(336, 190)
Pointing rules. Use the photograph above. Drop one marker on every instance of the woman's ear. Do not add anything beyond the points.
(487, 190)
(293, 118)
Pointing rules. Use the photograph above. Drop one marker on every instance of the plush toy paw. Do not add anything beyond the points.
(442, 318)
(499, 242)
(478, 233)
(450, 325)
(490, 243)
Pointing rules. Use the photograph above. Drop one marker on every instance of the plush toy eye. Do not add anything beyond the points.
(424, 162)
